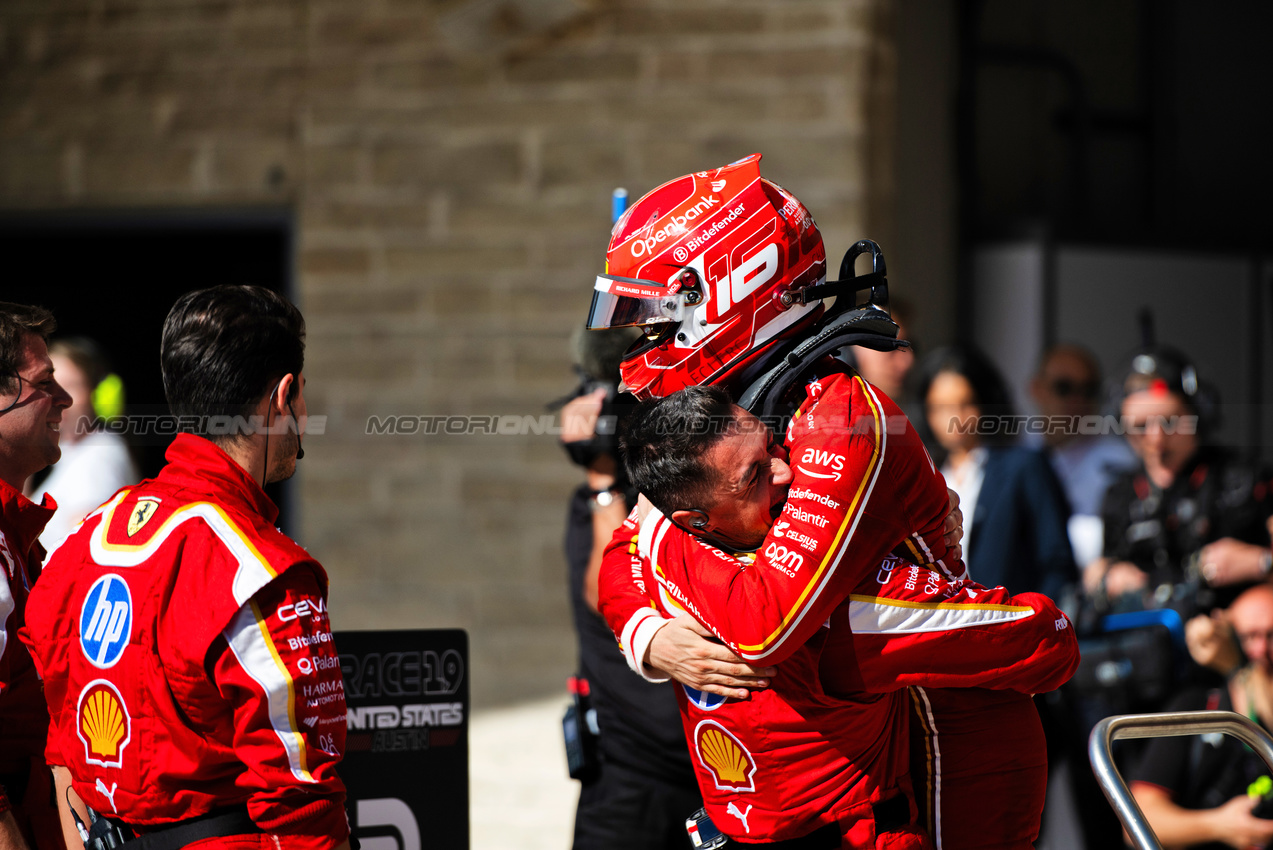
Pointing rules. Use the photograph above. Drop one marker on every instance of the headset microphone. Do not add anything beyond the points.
(300, 449)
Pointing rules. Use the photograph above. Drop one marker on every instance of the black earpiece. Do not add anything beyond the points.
(699, 523)
(300, 449)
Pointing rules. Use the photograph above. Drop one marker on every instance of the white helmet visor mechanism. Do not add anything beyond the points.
(623, 302)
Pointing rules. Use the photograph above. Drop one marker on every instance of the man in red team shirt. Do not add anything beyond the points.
(841, 689)
(194, 690)
(31, 405)
(725, 272)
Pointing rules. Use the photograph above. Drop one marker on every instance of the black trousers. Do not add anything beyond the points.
(626, 810)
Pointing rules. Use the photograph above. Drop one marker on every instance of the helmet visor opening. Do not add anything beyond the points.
(624, 302)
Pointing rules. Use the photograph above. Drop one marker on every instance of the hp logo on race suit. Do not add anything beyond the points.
(106, 621)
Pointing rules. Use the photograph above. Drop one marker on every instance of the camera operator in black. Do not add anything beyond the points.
(641, 787)
(1190, 528)
(1196, 791)
(1187, 529)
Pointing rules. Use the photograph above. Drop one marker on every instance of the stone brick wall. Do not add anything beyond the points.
(449, 166)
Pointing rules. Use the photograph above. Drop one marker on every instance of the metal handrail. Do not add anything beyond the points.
(1164, 725)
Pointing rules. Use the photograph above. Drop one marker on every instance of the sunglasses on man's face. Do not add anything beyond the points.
(1066, 388)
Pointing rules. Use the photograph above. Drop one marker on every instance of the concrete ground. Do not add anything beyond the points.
(520, 796)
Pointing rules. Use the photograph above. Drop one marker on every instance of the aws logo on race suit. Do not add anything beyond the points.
(106, 621)
(831, 464)
(731, 765)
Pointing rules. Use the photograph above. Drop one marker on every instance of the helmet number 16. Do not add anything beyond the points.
(748, 267)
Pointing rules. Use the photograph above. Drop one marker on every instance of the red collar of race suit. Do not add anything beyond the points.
(21, 519)
(199, 464)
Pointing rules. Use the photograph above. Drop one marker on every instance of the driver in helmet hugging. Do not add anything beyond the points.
(725, 272)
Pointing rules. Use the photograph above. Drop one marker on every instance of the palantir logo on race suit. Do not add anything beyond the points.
(106, 621)
(702, 700)
(799, 514)
(726, 759)
(103, 724)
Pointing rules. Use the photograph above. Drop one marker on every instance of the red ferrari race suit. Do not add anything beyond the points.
(188, 659)
(911, 625)
(25, 784)
(792, 760)
(864, 488)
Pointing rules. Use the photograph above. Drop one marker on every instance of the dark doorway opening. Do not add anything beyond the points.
(113, 276)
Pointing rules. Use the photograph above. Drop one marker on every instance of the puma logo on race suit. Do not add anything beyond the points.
(108, 794)
(732, 809)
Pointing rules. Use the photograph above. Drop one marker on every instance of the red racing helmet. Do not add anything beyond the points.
(708, 266)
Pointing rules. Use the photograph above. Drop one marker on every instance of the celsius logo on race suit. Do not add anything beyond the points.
(106, 620)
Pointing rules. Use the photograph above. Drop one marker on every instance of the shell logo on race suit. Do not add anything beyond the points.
(730, 764)
(106, 621)
(103, 724)
(141, 514)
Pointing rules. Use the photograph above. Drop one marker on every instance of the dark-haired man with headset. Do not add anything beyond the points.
(31, 406)
(1190, 504)
(193, 687)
